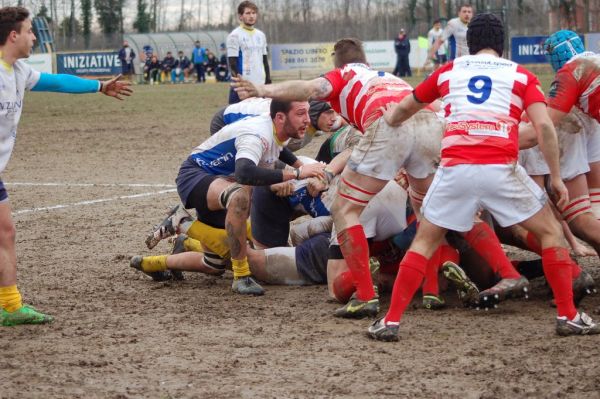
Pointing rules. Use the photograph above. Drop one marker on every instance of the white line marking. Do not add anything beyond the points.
(92, 202)
(89, 184)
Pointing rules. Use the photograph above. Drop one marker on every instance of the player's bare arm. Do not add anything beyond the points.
(395, 114)
(292, 90)
(548, 142)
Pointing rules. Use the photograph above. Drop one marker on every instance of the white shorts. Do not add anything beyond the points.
(573, 157)
(415, 145)
(458, 192)
(592, 134)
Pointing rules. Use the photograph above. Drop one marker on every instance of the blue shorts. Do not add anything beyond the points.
(3, 192)
(311, 258)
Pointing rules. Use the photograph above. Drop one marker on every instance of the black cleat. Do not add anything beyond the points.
(467, 291)
(381, 331)
(357, 309)
(247, 286)
(584, 326)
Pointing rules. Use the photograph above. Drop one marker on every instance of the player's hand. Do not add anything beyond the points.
(283, 189)
(244, 88)
(116, 88)
(582, 250)
(316, 186)
(312, 170)
(561, 194)
(402, 179)
(388, 114)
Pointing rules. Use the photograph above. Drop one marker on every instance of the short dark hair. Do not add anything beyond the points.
(348, 51)
(246, 4)
(280, 106)
(463, 5)
(11, 19)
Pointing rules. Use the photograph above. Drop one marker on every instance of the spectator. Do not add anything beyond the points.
(126, 56)
(402, 47)
(167, 66)
(222, 74)
(181, 69)
(439, 57)
(199, 61)
(211, 63)
(250, 45)
(152, 70)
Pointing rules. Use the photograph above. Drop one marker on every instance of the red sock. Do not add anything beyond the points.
(430, 284)
(355, 248)
(409, 278)
(557, 268)
(448, 254)
(343, 287)
(532, 243)
(484, 241)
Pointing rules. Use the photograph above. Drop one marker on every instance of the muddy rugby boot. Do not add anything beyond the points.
(136, 263)
(25, 315)
(433, 302)
(467, 291)
(168, 227)
(382, 331)
(506, 288)
(357, 309)
(582, 325)
(247, 286)
(583, 285)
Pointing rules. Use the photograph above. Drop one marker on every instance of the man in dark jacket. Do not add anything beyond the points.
(402, 47)
(127, 55)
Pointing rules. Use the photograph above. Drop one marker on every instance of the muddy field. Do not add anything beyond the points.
(89, 177)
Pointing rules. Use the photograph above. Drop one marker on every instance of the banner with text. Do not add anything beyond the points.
(89, 64)
(40, 62)
(380, 55)
(530, 49)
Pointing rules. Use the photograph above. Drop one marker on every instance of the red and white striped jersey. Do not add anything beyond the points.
(577, 83)
(483, 97)
(359, 92)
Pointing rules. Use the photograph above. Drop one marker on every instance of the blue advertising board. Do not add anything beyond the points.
(529, 49)
(89, 64)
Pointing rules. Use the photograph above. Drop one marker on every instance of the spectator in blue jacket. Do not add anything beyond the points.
(402, 47)
(167, 66)
(199, 61)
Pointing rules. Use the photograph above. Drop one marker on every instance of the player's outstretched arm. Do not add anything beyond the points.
(291, 90)
(64, 83)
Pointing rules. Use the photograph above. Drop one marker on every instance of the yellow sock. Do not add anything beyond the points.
(154, 263)
(211, 238)
(240, 267)
(10, 298)
(191, 244)
(196, 230)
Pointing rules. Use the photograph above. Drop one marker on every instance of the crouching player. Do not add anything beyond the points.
(485, 96)
(216, 178)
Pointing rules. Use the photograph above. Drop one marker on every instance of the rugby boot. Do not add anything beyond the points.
(25, 315)
(506, 288)
(168, 227)
(247, 286)
(582, 325)
(583, 285)
(136, 263)
(467, 291)
(433, 302)
(357, 309)
(382, 331)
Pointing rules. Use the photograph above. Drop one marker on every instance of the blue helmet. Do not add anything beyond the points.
(561, 46)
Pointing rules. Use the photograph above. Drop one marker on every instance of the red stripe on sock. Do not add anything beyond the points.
(355, 248)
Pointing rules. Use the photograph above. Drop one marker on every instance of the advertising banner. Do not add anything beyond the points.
(530, 49)
(89, 64)
(40, 62)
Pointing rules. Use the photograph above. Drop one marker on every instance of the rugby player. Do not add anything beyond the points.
(484, 97)
(16, 41)
(217, 176)
(358, 92)
(456, 31)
